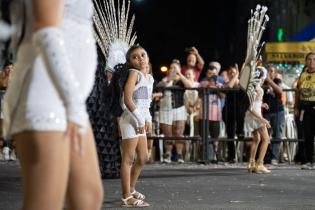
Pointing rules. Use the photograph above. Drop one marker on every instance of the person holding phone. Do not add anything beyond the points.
(173, 113)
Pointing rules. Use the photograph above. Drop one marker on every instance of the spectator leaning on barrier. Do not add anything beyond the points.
(305, 109)
(214, 68)
(192, 103)
(234, 111)
(173, 113)
(214, 116)
(195, 61)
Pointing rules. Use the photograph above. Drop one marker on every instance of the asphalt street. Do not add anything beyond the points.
(193, 186)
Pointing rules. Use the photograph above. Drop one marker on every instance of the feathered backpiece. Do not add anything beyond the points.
(112, 32)
(249, 75)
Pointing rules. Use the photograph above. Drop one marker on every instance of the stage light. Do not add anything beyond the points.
(164, 69)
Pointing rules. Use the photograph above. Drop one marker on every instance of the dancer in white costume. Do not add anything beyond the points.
(250, 80)
(44, 109)
(257, 125)
(134, 123)
(133, 91)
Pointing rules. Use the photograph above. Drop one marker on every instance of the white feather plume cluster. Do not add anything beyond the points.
(116, 54)
(113, 30)
(5, 31)
(256, 26)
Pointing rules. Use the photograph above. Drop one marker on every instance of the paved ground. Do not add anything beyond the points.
(197, 187)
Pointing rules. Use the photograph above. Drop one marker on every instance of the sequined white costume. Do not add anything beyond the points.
(251, 123)
(142, 99)
(54, 73)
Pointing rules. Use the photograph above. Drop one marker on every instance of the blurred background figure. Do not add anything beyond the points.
(234, 111)
(213, 117)
(7, 148)
(192, 104)
(173, 113)
(193, 61)
(304, 110)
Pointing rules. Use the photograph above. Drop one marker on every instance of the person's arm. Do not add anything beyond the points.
(274, 86)
(128, 92)
(297, 99)
(163, 83)
(200, 61)
(47, 13)
(233, 82)
(48, 39)
(184, 80)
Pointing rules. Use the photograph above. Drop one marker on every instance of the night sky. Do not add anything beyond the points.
(218, 29)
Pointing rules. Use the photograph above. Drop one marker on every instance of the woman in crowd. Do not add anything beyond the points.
(214, 116)
(173, 114)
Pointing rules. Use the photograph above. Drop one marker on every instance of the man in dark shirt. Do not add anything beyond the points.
(275, 114)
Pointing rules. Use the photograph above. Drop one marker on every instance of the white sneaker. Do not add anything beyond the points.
(167, 158)
(180, 159)
(285, 157)
(307, 166)
(6, 153)
(13, 155)
(274, 162)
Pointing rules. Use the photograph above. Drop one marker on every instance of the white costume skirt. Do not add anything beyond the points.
(251, 123)
(32, 102)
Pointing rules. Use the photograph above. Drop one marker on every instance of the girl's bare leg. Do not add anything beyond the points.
(254, 144)
(265, 141)
(142, 158)
(128, 155)
(178, 131)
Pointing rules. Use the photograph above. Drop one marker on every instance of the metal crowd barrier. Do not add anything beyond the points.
(204, 136)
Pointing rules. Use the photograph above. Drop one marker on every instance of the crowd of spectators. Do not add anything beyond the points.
(224, 114)
(179, 112)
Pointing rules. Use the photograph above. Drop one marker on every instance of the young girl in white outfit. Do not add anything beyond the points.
(257, 125)
(134, 123)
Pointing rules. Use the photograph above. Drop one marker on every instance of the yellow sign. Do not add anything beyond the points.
(288, 51)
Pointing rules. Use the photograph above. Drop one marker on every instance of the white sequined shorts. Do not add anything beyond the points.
(127, 126)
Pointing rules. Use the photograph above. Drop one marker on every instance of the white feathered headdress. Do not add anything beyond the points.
(112, 32)
(249, 75)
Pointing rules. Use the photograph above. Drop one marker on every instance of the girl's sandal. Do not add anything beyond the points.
(138, 195)
(136, 204)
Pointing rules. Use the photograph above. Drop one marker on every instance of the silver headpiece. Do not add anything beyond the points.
(249, 75)
(112, 32)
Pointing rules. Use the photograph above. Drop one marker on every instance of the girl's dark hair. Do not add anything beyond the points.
(130, 50)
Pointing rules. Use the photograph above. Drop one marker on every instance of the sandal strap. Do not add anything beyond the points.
(140, 203)
(138, 195)
(136, 203)
(124, 200)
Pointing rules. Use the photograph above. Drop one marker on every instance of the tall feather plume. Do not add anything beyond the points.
(256, 26)
(113, 30)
